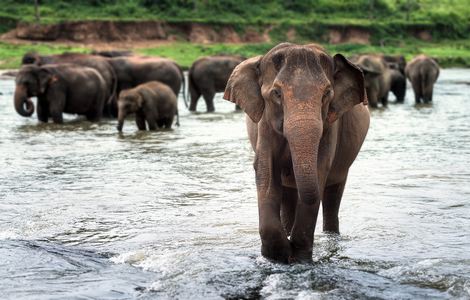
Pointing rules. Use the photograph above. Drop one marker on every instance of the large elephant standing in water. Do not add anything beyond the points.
(378, 78)
(60, 88)
(307, 121)
(96, 62)
(209, 75)
(423, 72)
(134, 70)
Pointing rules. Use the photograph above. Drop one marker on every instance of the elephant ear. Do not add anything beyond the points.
(349, 88)
(45, 77)
(243, 88)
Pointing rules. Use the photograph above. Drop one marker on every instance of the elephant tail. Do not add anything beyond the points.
(183, 81)
(111, 102)
(192, 86)
(177, 118)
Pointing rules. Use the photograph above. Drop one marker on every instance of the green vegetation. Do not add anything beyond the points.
(243, 11)
(449, 54)
(10, 55)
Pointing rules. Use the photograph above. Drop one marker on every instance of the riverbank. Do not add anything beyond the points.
(454, 53)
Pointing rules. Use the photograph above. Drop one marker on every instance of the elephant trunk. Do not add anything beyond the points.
(303, 135)
(21, 99)
(121, 117)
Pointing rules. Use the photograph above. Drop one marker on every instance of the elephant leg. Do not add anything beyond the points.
(94, 115)
(57, 118)
(168, 122)
(140, 121)
(161, 123)
(288, 205)
(384, 100)
(194, 98)
(417, 89)
(427, 93)
(330, 204)
(209, 98)
(274, 242)
(56, 102)
(43, 110)
(151, 121)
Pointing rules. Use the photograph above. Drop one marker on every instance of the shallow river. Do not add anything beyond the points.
(86, 213)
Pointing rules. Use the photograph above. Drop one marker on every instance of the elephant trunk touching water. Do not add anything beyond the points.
(21, 100)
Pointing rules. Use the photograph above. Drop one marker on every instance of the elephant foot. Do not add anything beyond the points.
(300, 255)
(209, 110)
(277, 251)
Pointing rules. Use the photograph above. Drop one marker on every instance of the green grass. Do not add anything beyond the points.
(449, 53)
(10, 55)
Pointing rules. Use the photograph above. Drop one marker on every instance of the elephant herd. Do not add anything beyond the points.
(384, 74)
(114, 84)
(307, 116)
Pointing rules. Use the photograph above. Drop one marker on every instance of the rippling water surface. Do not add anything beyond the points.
(88, 213)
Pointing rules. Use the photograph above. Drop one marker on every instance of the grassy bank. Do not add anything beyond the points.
(448, 53)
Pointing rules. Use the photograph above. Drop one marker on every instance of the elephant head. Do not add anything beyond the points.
(373, 69)
(299, 91)
(129, 102)
(31, 81)
(31, 58)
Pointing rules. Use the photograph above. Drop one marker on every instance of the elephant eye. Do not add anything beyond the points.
(277, 95)
(329, 93)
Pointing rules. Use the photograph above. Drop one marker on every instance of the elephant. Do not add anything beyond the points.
(112, 53)
(378, 78)
(209, 75)
(93, 61)
(134, 70)
(422, 71)
(152, 102)
(60, 88)
(307, 118)
(399, 61)
(397, 83)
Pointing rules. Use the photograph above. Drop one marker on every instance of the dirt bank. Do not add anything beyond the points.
(95, 32)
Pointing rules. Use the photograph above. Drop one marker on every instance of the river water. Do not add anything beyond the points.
(86, 213)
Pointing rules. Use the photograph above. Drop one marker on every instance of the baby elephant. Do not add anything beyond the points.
(152, 102)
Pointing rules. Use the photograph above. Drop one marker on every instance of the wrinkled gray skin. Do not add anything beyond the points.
(209, 75)
(92, 61)
(153, 103)
(378, 78)
(60, 88)
(422, 71)
(307, 120)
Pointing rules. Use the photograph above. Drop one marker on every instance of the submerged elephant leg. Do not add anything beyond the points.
(140, 121)
(427, 93)
(194, 98)
(288, 205)
(417, 90)
(384, 100)
(274, 242)
(209, 98)
(330, 204)
(42, 110)
(151, 121)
